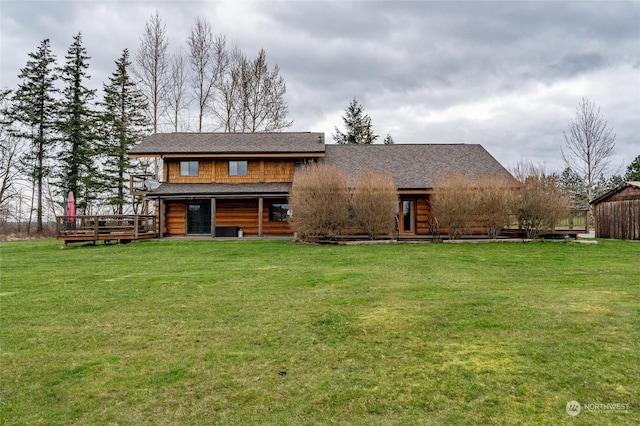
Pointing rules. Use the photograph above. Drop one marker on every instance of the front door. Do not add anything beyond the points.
(199, 218)
(407, 217)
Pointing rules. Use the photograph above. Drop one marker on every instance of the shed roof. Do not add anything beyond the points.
(418, 166)
(615, 190)
(230, 143)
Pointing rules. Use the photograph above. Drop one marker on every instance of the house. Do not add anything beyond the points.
(220, 183)
(617, 213)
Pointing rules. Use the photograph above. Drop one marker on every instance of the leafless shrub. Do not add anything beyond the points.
(374, 203)
(493, 202)
(319, 202)
(454, 203)
(540, 203)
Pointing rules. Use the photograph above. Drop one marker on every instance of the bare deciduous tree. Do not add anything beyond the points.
(374, 203)
(177, 97)
(319, 200)
(152, 67)
(251, 96)
(204, 52)
(10, 149)
(589, 144)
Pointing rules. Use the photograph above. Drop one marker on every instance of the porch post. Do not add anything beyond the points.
(260, 211)
(213, 217)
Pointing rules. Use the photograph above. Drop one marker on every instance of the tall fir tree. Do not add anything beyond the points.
(124, 125)
(78, 128)
(359, 129)
(34, 111)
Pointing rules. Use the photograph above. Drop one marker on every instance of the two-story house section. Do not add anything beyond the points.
(219, 183)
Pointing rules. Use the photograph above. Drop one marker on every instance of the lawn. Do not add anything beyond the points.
(268, 332)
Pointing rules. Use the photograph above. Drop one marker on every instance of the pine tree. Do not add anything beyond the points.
(359, 129)
(124, 125)
(77, 125)
(35, 109)
(633, 170)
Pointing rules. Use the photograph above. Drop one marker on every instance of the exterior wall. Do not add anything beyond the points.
(205, 172)
(241, 213)
(217, 171)
(423, 216)
(618, 216)
(279, 171)
(175, 218)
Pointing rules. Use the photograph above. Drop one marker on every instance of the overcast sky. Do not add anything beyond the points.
(507, 75)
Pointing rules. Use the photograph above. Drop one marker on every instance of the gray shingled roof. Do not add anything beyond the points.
(230, 143)
(417, 166)
(220, 189)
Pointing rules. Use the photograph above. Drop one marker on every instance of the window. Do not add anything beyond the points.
(237, 168)
(278, 213)
(188, 168)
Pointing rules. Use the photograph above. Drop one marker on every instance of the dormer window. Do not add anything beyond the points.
(188, 168)
(237, 168)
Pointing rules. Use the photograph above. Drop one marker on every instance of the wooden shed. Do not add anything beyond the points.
(617, 213)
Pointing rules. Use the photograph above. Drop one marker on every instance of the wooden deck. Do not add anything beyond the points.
(120, 228)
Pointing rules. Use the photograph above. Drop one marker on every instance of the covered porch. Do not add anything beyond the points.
(222, 210)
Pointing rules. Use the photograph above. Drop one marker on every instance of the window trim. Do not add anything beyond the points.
(237, 170)
(190, 168)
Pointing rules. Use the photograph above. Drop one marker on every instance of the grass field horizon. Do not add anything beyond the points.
(269, 332)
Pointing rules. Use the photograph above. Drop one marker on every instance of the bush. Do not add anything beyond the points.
(319, 202)
(454, 203)
(493, 201)
(540, 203)
(374, 203)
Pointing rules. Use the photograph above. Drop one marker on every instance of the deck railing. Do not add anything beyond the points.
(103, 227)
(577, 221)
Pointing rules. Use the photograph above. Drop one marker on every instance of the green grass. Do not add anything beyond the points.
(200, 332)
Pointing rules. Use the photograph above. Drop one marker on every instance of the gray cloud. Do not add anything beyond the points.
(508, 75)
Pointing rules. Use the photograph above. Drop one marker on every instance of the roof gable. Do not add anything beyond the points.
(230, 143)
(614, 191)
(417, 166)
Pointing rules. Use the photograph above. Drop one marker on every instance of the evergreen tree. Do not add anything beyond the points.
(633, 170)
(77, 125)
(388, 140)
(35, 109)
(125, 124)
(358, 126)
(572, 185)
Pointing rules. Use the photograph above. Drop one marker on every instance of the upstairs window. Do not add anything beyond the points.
(279, 213)
(237, 168)
(188, 168)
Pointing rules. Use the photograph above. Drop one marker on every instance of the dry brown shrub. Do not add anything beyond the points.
(319, 202)
(540, 203)
(454, 203)
(493, 202)
(374, 203)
